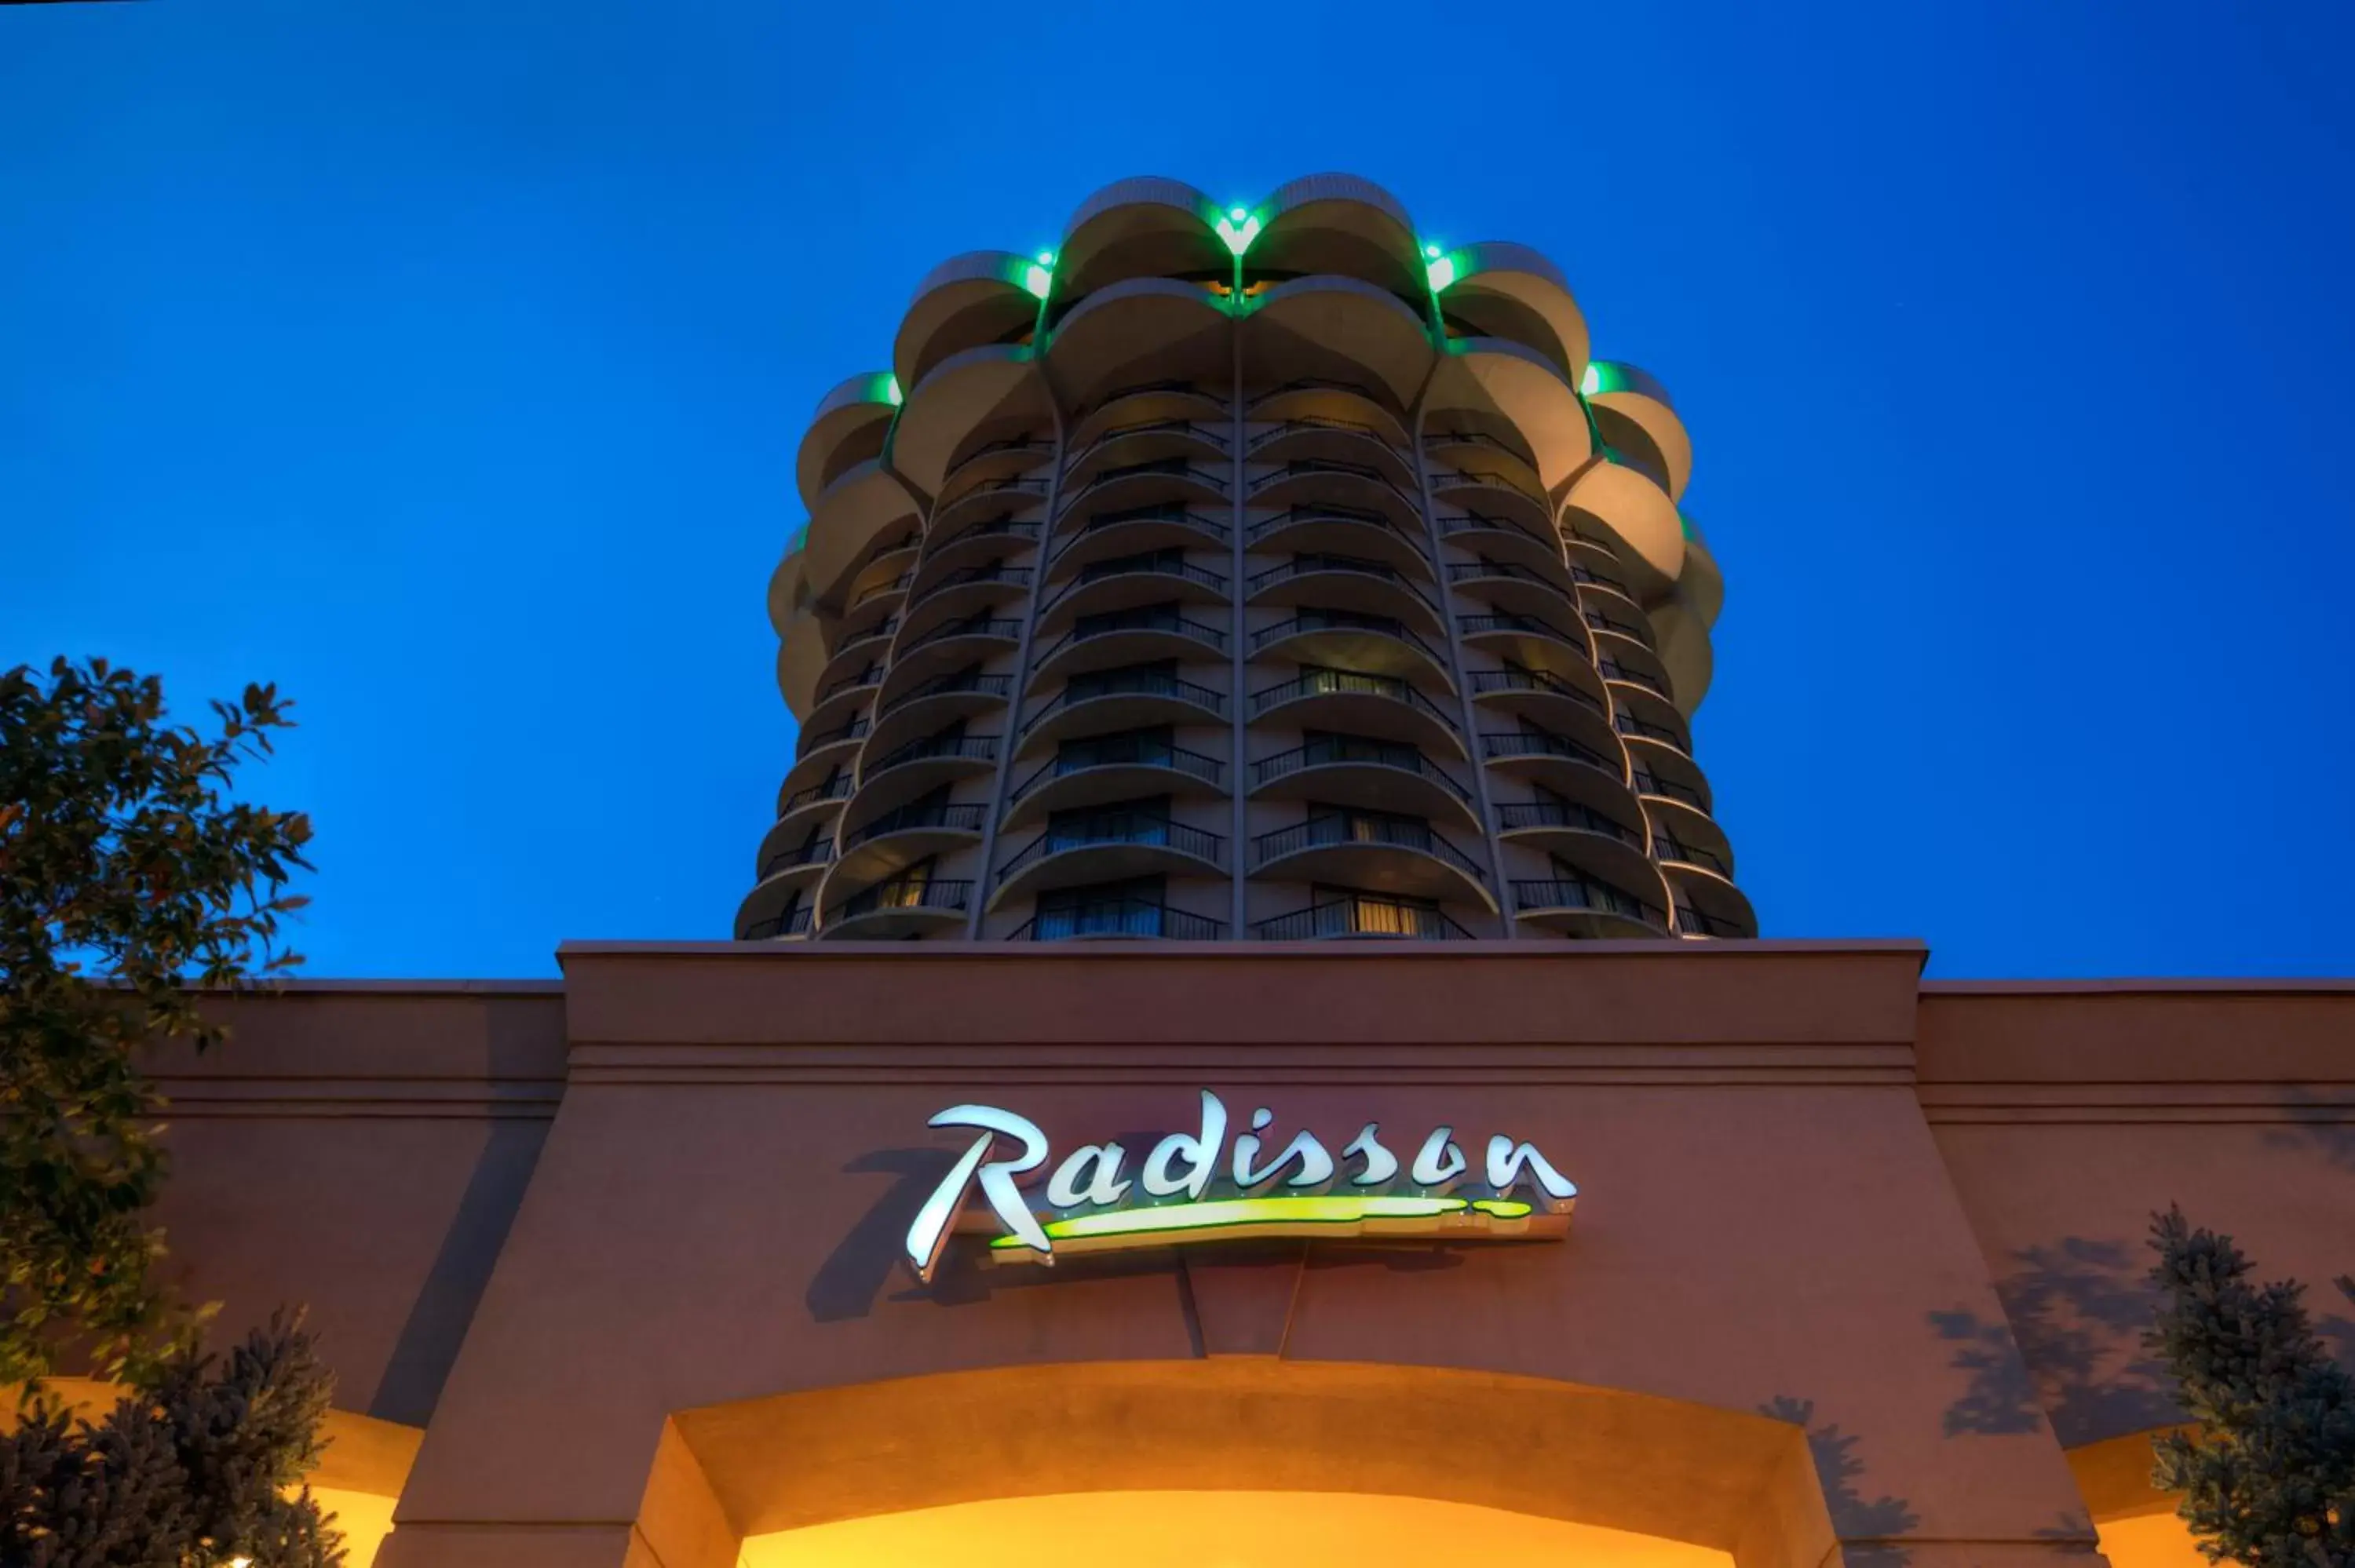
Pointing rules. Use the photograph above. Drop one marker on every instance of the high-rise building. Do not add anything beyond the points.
(1269, 572)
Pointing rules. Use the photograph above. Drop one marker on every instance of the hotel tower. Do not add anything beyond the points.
(1245, 573)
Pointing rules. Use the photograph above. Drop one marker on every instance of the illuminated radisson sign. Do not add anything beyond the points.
(1190, 1189)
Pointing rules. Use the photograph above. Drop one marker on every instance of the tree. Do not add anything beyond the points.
(195, 1473)
(130, 879)
(2268, 1474)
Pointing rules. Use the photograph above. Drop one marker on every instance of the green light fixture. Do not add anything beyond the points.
(1037, 280)
(1591, 382)
(1239, 228)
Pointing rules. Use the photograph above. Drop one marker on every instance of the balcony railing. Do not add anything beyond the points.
(1650, 783)
(1457, 478)
(1118, 917)
(837, 789)
(1667, 850)
(818, 852)
(1302, 467)
(1194, 428)
(1293, 426)
(818, 740)
(1486, 680)
(796, 923)
(852, 683)
(1349, 683)
(875, 633)
(1521, 625)
(1603, 622)
(1131, 566)
(905, 893)
(1308, 620)
(1012, 577)
(1514, 816)
(1319, 384)
(1365, 516)
(1119, 828)
(870, 595)
(998, 527)
(1312, 563)
(1164, 512)
(1588, 575)
(1474, 439)
(1360, 917)
(1545, 743)
(1473, 571)
(946, 816)
(1469, 521)
(1169, 468)
(1129, 683)
(931, 748)
(1614, 671)
(1122, 751)
(1002, 628)
(1627, 723)
(1691, 922)
(1326, 830)
(948, 685)
(1328, 750)
(1154, 618)
(1579, 893)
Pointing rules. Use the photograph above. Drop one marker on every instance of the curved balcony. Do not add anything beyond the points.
(1139, 483)
(920, 765)
(838, 700)
(1633, 665)
(1718, 910)
(1380, 854)
(1563, 763)
(1139, 439)
(1490, 490)
(1099, 770)
(1114, 845)
(964, 592)
(1004, 495)
(1376, 644)
(796, 810)
(936, 703)
(1130, 582)
(1574, 702)
(1597, 843)
(1384, 706)
(1678, 806)
(1485, 450)
(1118, 917)
(899, 908)
(1311, 318)
(1122, 699)
(1358, 584)
(1554, 643)
(802, 861)
(995, 539)
(876, 596)
(1580, 907)
(861, 647)
(1127, 637)
(1136, 529)
(1147, 401)
(885, 845)
(1326, 438)
(948, 646)
(1492, 533)
(813, 743)
(1517, 589)
(1627, 512)
(1013, 458)
(1643, 726)
(1342, 531)
(793, 924)
(1715, 860)
(1331, 398)
(1372, 774)
(1312, 481)
(1604, 621)
(1361, 916)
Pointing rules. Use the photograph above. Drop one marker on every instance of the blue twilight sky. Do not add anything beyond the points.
(444, 362)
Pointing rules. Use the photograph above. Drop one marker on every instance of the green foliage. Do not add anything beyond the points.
(195, 1473)
(2268, 1480)
(126, 875)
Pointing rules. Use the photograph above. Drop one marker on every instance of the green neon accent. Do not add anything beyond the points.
(1046, 258)
(891, 390)
(1037, 280)
(1239, 228)
(1503, 1208)
(1432, 251)
(1591, 382)
(1221, 1214)
(1441, 272)
(1238, 214)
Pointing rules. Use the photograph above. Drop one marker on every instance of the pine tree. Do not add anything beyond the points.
(2268, 1474)
(204, 1471)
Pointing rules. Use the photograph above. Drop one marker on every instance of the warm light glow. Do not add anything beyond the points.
(2150, 1541)
(1215, 1529)
(363, 1518)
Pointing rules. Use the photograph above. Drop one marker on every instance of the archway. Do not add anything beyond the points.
(1243, 1450)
